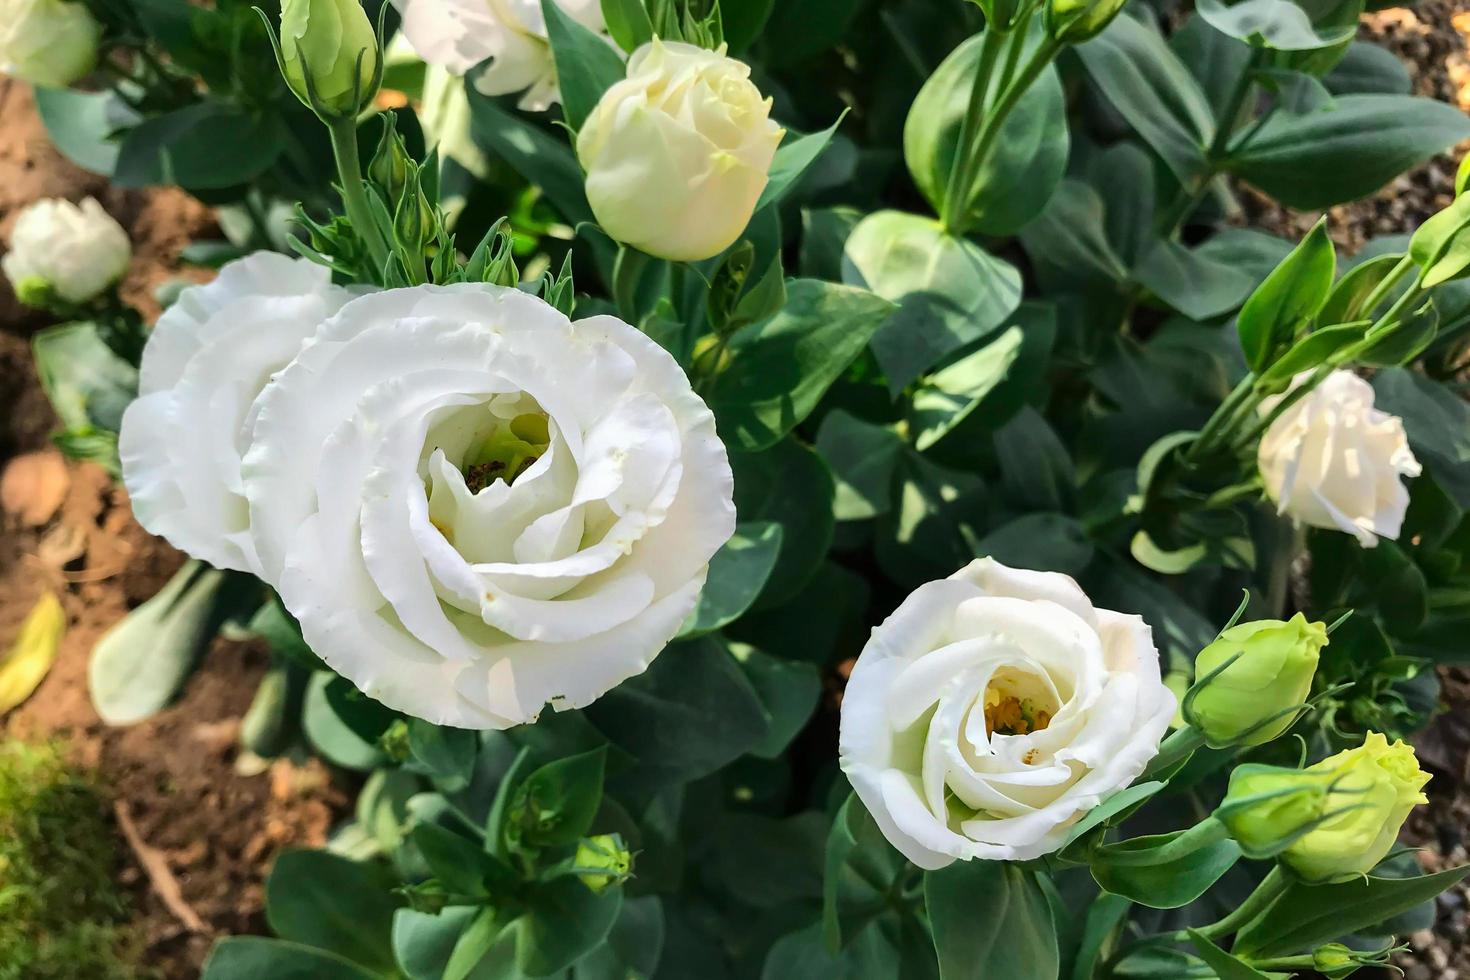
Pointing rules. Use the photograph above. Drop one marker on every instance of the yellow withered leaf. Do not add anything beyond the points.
(32, 653)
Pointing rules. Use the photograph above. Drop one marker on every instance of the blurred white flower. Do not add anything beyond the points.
(47, 42)
(207, 359)
(476, 507)
(459, 34)
(993, 709)
(1334, 461)
(678, 153)
(58, 249)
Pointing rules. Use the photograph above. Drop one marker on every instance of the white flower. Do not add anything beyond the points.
(1334, 461)
(993, 709)
(205, 362)
(71, 252)
(47, 42)
(678, 153)
(459, 34)
(475, 507)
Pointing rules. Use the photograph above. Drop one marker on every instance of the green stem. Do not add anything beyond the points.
(1177, 747)
(1221, 422)
(1203, 834)
(954, 205)
(1191, 194)
(1280, 583)
(1305, 962)
(354, 195)
(1270, 889)
(1018, 30)
(1045, 52)
(1381, 291)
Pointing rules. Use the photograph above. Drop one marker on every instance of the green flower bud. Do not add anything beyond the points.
(330, 54)
(604, 852)
(1076, 21)
(390, 163)
(1252, 679)
(415, 223)
(1336, 961)
(36, 291)
(1331, 821)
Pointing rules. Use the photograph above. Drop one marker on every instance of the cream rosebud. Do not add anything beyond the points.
(331, 43)
(1253, 678)
(62, 251)
(677, 154)
(47, 42)
(603, 853)
(1332, 821)
(1334, 461)
(1076, 21)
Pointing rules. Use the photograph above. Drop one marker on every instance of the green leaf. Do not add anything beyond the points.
(1104, 812)
(457, 861)
(1148, 84)
(254, 957)
(1437, 423)
(1283, 25)
(1347, 151)
(1166, 871)
(990, 919)
(565, 921)
(795, 154)
(1345, 302)
(790, 485)
(206, 146)
(345, 907)
(628, 23)
(1306, 916)
(780, 368)
(447, 754)
(279, 629)
(1366, 69)
(88, 385)
(803, 954)
(862, 457)
(557, 803)
(1276, 312)
(139, 665)
(737, 573)
(951, 291)
(533, 153)
(1193, 281)
(586, 65)
(82, 125)
(1068, 244)
(423, 943)
(933, 527)
(1029, 155)
(329, 733)
(788, 691)
(692, 712)
(1226, 966)
(1036, 469)
(860, 867)
(1310, 351)
(485, 948)
(1441, 246)
(744, 21)
(1044, 542)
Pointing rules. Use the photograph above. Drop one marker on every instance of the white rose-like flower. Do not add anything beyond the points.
(60, 249)
(1334, 461)
(993, 709)
(459, 34)
(205, 362)
(476, 507)
(678, 153)
(47, 42)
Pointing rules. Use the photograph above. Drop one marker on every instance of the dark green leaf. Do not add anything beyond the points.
(795, 154)
(861, 868)
(1226, 967)
(205, 146)
(323, 900)
(862, 456)
(88, 385)
(556, 804)
(788, 691)
(737, 573)
(790, 485)
(82, 124)
(990, 919)
(1290, 297)
(447, 754)
(254, 957)
(586, 66)
(627, 22)
(1163, 871)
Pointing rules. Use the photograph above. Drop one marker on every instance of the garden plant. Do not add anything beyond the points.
(784, 488)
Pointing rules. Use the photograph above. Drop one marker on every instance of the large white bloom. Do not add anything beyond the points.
(47, 42)
(72, 252)
(993, 709)
(678, 153)
(475, 506)
(205, 362)
(459, 34)
(1334, 461)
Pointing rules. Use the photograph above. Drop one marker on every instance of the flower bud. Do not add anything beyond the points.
(604, 852)
(1076, 21)
(47, 42)
(677, 154)
(389, 166)
(414, 223)
(64, 253)
(1332, 821)
(330, 54)
(1253, 679)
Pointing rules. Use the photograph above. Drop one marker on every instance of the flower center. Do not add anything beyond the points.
(1017, 703)
(506, 451)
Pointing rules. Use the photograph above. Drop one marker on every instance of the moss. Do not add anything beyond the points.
(61, 910)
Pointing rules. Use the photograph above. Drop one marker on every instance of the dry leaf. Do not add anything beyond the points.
(33, 652)
(34, 486)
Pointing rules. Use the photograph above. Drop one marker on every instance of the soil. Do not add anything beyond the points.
(205, 828)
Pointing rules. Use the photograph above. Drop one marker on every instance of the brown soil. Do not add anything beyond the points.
(66, 528)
